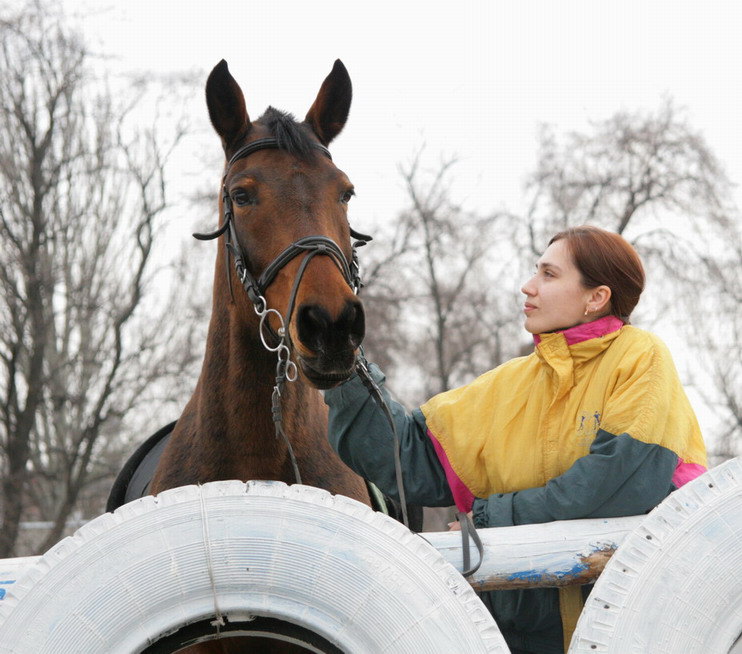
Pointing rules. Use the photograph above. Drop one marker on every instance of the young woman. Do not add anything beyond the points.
(593, 424)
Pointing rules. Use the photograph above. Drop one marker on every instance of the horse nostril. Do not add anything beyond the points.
(321, 334)
(357, 324)
(313, 322)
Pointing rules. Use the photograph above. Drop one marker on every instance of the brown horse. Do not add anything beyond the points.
(285, 243)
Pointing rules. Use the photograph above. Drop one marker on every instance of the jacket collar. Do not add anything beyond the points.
(585, 331)
(564, 350)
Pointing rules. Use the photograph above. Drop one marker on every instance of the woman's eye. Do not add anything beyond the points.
(242, 198)
(345, 198)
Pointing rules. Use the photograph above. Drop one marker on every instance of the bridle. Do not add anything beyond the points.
(310, 245)
(279, 341)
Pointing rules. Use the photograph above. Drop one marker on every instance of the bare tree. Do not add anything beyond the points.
(714, 324)
(82, 341)
(627, 166)
(441, 285)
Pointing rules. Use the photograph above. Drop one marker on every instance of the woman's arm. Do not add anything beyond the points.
(360, 433)
(620, 476)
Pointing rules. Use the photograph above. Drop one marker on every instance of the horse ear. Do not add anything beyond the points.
(329, 112)
(226, 105)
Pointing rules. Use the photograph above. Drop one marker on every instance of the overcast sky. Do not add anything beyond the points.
(470, 79)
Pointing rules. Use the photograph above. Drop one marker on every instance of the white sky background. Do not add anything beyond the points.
(474, 79)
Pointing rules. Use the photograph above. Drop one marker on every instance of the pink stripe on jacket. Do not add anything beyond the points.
(462, 496)
(685, 472)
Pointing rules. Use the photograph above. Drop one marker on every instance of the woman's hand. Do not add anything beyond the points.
(456, 526)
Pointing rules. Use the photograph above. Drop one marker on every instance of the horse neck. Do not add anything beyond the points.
(238, 377)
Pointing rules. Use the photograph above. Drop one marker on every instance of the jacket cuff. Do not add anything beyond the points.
(495, 511)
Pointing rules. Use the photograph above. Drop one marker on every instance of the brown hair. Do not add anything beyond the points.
(606, 258)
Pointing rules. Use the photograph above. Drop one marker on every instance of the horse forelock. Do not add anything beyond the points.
(293, 137)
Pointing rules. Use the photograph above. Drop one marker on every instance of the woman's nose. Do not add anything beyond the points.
(528, 288)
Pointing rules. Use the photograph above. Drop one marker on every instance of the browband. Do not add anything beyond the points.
(268, 143)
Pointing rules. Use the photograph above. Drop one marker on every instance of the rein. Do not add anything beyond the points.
(310, 246)
(468, 531)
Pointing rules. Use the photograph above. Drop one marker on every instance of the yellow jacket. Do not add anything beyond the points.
(528, 420)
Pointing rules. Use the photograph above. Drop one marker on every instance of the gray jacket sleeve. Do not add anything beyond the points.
(360, 433)
(620, 476)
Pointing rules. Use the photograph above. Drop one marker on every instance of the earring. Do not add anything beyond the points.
(587, 310)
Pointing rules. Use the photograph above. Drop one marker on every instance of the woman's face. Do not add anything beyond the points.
(555, 296)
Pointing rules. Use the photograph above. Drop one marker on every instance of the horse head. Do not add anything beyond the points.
(285, 224)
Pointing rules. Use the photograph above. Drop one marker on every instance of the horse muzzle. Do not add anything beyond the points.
(327, 346)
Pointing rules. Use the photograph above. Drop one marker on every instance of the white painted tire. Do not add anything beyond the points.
(675, 584)
(357, 579)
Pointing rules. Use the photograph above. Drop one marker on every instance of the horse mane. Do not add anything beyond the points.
(291, 136)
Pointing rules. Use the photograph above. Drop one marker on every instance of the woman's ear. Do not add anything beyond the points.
(599, 300)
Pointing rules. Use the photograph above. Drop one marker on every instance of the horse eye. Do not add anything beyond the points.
(345, 198)
(242, 198)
